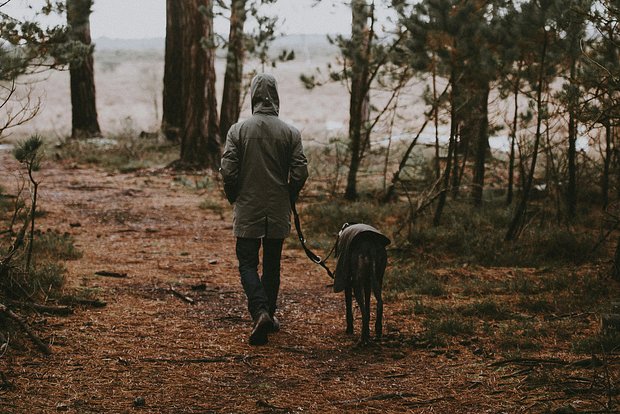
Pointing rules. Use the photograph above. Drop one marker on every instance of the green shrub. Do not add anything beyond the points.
(326, 218)
(216, 205)
(413, 278)
(125, 152)
(486, 308)
(535, 304)
(53, 245)
(519, 337)
(438, 329)
(597, 344)
(522, 284)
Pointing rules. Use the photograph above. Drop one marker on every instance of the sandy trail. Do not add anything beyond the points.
(184, 358)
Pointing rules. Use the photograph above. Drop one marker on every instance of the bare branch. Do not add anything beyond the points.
(23, 110)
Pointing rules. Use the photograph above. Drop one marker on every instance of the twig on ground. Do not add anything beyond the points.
(110, 274)
(381, 397)
(24, 326)
(265, 404)
(206, 360)
(70, 300)
(181, 296)
(53, 310)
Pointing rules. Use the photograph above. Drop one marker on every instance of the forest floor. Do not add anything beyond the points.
(195, 358)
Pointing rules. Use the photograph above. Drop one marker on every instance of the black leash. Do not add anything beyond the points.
(316, 259)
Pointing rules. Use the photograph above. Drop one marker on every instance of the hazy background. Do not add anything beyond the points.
(129, 61)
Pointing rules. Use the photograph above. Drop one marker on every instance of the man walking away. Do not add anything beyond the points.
(264, 168)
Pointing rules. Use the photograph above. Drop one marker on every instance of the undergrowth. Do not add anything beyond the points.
(123, 152)
(549, 288)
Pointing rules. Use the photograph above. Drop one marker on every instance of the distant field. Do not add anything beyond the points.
(128, 76)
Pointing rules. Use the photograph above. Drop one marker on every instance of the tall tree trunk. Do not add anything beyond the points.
(606, 163)
(84, 121)
(457, 137)
(231, 96)
(516, 224)
(571, 190)
(436, 119)
(173, 115)
(482, 144)
(359, 90)
(200, 141)
(449, 158)
(513, 139)
(615, 268)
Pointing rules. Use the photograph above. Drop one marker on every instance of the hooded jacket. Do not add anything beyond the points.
(263, 166)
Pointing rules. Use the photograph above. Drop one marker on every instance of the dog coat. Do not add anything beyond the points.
(343, 251)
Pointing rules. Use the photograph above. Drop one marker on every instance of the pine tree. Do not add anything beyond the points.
(358, 55)
(173, 114)
(190, 102)
(200, 141)
(84, 121)
(231, 95)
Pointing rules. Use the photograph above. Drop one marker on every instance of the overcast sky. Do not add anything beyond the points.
(134, 19)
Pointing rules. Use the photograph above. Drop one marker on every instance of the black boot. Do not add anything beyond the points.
(262, 325)
(275, 324)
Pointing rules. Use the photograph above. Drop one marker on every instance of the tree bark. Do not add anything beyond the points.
(84, 121)
(517, 221)
(200, 141)
(615, 268)
(513, 139)
(359, 90)
(173, 115)
(571, 190)
(482, 145)
(606, 163)
(451, 151)
(231, 96)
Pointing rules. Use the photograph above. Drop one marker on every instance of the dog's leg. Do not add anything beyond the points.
(366, 310)
(358, 291)
(348, 298)
(379, 321)
(380, 264)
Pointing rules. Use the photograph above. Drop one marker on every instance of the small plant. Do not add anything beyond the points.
(486, 308)
(439, 329)
(414, 278)
(125, 152)
(213, 204)
(29, 154)
(597, 344)
(517, 337)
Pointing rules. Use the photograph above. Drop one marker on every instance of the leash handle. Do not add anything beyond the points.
(316, 259)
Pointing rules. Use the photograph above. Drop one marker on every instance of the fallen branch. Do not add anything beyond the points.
(110, 274)
(381, 397)
(206, 360)
(24, 326)
(419, 403)
(529, 361)
(181, 296)
(52, 310)
(265, 404)
(586, 363)
(93, 303)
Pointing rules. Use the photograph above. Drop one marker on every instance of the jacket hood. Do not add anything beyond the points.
(264, 93)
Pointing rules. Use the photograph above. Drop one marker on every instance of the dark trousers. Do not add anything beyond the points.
(262, 292)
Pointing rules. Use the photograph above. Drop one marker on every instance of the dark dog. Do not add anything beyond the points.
(359, 271)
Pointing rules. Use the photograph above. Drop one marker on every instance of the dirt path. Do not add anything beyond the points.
(184, 358)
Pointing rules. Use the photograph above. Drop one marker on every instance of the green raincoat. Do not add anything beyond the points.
(263, 166)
